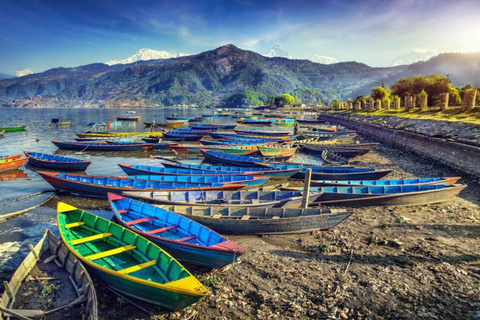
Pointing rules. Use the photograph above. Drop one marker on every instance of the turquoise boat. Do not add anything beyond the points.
(126, 261)
(185, 239)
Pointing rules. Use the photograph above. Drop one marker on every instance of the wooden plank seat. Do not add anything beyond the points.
(74, 224)
(109, 253)
(173, 226)
(91, 238)
(142, 220)
(138, 267)
(186, 238)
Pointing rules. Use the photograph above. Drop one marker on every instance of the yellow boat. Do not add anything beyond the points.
(119, 134)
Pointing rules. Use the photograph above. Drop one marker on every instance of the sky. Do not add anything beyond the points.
(44, 34)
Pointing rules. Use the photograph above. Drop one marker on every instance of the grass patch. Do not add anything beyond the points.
(453, 114)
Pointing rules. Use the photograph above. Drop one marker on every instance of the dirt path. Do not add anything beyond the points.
(419, 262)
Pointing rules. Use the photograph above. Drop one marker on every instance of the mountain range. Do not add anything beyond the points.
(211, 76)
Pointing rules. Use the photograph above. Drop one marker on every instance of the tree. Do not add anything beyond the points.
(287, 99)
(380, 93)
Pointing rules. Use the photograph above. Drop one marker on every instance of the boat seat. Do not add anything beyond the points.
(275, 217)
(217, 215)
(162, 229)
(74, 224)
(245, 217)
(186, 238)
(138, 267)
(122, 211)
(142, 220)
(91, 238)
(109, 253)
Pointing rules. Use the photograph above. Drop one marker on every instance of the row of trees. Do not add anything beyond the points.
(307, 96)
(419, 86)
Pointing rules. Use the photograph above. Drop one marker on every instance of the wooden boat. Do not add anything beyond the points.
(232, 149)
(50, 161)
(263, 133)
(119, 134)
(398, 182)
(128, 116)
(185, 137)
(163, 145)
(197, 120)
(324, 136)
(99, 186)
(191, 131)
(331, 157)
(126, 261)
(334, 173)
(236, 143)
(231, 136)
(64, 123)
(11, 164)
(210, 115)
(271, 172)
(184, 239)
(240, 199)
(300, 121)
(90, 146)
(180, 118)
(339, 144)
(277, 150)
(344, 152)
(80, 281)
(264, 122)
(212, 126)
(13, 129)
(173, 124)
(247, 181)
(253, 220)
(8, 157)
(233, 160)
(407, 195)
(136, 169)
(286, 122)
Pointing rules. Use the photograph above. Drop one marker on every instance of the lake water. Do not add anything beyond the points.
(38, 136)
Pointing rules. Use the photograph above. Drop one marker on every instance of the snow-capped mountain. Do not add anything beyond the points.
(146, 54)
(23, 72)
(323, 59)
(413, 56)
(277, 51)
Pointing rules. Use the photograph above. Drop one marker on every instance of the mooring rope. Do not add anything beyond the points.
(5, 217)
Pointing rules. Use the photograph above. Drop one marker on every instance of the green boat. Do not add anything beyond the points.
(13, 129)
(126, 261)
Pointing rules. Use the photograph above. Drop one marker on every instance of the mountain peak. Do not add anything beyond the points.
(24, 72)
(278, 51)
(145, 54)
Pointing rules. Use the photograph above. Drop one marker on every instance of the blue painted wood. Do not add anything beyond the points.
(135, 169)
(90, 146)
(50, 161)
(251, 181)
(204, 246)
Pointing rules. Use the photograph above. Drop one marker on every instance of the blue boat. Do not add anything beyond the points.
(135, 169)
(398, 182)
(318, 173)
(248, 181)
(183, 238)
(198, 120)
(223, 135)
(210, 115)
(401, 195)
(274, 133)
(229, 142)
(191, 131)
(185, 137)
(212, 126)
(264, 199)
(114, 146)
(163, 145)
(99, 186)
(271, 172)
(50, 161)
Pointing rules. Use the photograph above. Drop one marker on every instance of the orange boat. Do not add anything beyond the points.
(11, 164)
(15, 156)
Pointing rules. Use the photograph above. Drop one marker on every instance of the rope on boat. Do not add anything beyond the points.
(7, 216)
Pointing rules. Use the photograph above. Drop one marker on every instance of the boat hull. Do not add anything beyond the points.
(13, 129)
(12, 164)
(57, 165)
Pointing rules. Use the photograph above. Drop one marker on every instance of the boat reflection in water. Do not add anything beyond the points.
(12, 175)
